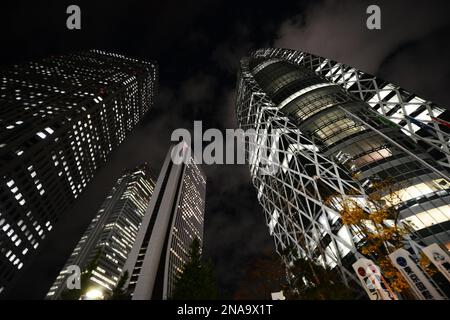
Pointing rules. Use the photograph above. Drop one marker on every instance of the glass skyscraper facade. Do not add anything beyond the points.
(111, 234)
(61, 117)
(328, 132)
(173, 220)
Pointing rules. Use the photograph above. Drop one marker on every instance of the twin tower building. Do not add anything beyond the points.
(329, 130)
(142, 231)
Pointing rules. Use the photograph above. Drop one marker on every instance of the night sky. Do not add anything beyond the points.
(197, 45)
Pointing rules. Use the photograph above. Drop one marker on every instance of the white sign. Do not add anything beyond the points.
(372, 281)
(439, 258)
(417, 280)
(278, 295)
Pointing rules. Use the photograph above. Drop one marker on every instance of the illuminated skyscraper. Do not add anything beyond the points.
(110, 236)
(328, 131)
(60, 119)
(173, 219)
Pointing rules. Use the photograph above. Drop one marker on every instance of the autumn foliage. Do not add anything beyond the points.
(377, 224)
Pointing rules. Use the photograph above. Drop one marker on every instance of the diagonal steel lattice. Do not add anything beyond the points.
(402, 108)
(297, 213)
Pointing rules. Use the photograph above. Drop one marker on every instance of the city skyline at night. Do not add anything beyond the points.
(347, 107)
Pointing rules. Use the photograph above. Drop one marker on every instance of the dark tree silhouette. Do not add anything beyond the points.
(196, 281)
(311, 281)
(266, 274)
(300, 280)
(120, 292)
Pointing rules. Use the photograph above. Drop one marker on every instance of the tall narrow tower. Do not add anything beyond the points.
(110, 236)
(173, 220)
(60, 119)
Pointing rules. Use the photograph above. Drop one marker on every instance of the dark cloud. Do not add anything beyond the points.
(234, 227)
(199, 89)
(420, 67)
(337, 29)
(227, 55)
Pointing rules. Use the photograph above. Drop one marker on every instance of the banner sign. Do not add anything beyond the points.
(417, 280)
(422, 125)
(440, 121)
(439, 257)
(372, 281)
(278, 295)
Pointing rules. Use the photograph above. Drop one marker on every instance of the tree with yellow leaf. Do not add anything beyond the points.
(376, 222)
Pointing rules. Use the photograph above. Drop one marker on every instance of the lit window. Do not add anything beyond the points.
(49, 130)
(429, 218)
(41, 135)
